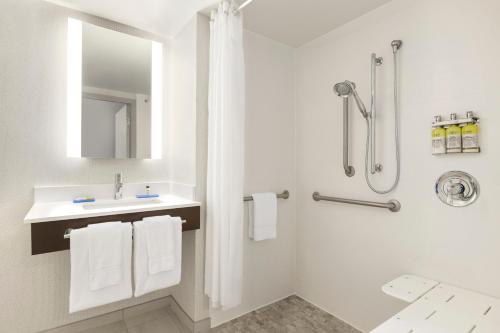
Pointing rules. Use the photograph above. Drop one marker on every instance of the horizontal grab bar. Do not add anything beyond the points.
(393, 205)
(284, 195)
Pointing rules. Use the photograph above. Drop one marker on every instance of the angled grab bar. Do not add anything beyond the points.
(393, 205)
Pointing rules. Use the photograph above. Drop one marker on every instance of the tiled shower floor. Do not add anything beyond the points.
(291, 314)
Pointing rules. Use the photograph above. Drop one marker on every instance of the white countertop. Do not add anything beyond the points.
(67, 210)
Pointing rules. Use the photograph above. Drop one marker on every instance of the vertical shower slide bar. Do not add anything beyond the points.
(376, 61)
(346, 89)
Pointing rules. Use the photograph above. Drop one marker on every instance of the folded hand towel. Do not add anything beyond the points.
(263, 223)
(157, 267)
(105, 254)
(81, 295)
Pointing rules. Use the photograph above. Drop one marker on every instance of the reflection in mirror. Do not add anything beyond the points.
(114, 94)
(105, 128)
(116, 73)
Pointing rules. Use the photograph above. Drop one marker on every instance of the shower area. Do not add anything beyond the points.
(371, 201)
(367, 190)
(366, 96)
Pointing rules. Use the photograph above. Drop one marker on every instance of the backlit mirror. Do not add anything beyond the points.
(114, 94)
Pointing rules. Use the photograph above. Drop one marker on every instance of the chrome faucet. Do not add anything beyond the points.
(118, 186)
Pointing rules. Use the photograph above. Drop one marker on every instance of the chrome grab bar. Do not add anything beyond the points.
(348, 169)
(393, 205)
(284, 195)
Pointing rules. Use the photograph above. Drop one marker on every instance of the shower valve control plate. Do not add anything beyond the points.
(457, 188)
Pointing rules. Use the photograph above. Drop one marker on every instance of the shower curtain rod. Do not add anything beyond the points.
(244, 4)
(235, 11)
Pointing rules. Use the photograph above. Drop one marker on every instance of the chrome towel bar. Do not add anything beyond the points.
(67, 232)
(393, 205)
(284, 195)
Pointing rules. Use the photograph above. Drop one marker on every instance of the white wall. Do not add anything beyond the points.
(181, 135)
(269, 266)
(449, 63)
(202, 52)
(34, 289)
(182, 100)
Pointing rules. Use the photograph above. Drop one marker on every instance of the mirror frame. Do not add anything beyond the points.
(74, 93)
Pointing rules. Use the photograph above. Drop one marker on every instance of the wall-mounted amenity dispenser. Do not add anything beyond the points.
(470, 135)
(461, 135)
(453, 136)
(438, 138)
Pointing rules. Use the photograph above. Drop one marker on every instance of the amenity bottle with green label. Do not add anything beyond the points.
(438, 138)
(470, 136)
(453, 137)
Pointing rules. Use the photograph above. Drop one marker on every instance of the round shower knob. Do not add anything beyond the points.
(457, 188)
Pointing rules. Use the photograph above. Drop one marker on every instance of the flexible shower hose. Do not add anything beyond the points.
(396, 138)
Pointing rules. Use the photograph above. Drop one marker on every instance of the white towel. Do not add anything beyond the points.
(105, 254)
(81, 296)
(262, 225)
(160, 244)
(152, 262)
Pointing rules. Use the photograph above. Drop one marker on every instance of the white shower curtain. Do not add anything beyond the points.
(226, 125)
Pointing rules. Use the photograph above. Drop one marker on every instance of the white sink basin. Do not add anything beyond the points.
(55, 203)
(121, 203)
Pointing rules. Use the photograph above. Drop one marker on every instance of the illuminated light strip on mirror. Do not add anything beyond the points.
(156, 100)
(74, 89)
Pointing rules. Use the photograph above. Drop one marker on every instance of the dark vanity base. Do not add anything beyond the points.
(49, 236)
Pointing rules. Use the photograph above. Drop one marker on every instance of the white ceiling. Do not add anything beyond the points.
(164, 17)
(293, 22)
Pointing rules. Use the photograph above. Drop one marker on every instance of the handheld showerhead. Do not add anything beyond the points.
(342, 89)
(359, 102)
(345, 90)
